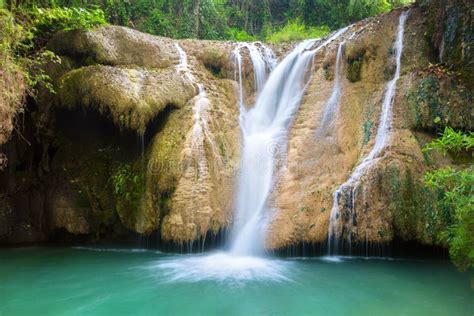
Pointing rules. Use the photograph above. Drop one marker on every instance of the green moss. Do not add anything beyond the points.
(128, 184)
(327, 71)
(355, 58)
(353, 70)
(415, 215)
(438, 101)
(367, 126)
(367, 131)
(222, 150)
(214, 61)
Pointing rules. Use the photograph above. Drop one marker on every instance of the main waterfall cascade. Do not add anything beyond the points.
(264, 129)
(264, 136)
(349, 188)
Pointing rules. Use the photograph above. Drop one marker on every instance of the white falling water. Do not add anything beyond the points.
(263, 62)
(201, 131)
(383, 133)
(332, 105)
(264, 128)
(264, 132)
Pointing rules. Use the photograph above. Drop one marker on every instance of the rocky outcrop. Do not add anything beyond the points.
(115, 46)
(133, 143)
(115, 144)
(391, 201)
(132, 97)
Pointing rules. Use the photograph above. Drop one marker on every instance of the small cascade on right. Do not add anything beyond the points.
(349, 189)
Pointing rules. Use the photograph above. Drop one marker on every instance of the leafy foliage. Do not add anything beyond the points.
(46, 21)
(238, 35)
(452, 141)
(11, 77)
(456, 196)
(127, 184)
(123, 178)
(219, 19)
(24, 32)
(295, 30)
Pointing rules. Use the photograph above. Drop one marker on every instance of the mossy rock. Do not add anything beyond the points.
(355, 56)
(438, 100)
(134, 209)
(415, 214)
(217, 62)
(115, 45)
(131, 97)
(450, 31)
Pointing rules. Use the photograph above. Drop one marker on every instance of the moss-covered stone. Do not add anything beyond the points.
(438, 100)
(354, 57)
(450, 32)
(115, 45)
(412, 206)
(130, 97)
(217, 61)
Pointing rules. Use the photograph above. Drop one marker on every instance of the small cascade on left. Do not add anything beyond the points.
(201, 133)
(199, 165)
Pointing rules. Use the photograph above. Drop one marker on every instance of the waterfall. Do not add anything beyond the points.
(263, 62)
(264, 132)
(331, 107)
(201, 131)
(349, 188)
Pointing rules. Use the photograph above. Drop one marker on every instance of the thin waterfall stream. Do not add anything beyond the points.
(332, 105)
(383, 133)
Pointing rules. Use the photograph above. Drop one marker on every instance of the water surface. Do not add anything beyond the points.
(90, 281)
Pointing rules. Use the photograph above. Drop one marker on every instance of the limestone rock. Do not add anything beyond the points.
(115, 45)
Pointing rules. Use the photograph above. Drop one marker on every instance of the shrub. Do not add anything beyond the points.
(12, 77)
(239, 35)
(456, 196)
(452, 141)
(47, 21)
(127, 184)
(294, 30)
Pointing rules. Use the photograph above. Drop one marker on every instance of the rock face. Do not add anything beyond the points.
(391, 201)
(135, 142)
(116, 145)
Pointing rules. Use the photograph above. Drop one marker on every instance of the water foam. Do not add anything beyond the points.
(223, 266)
